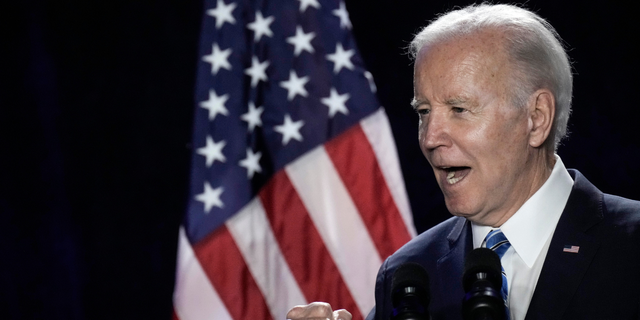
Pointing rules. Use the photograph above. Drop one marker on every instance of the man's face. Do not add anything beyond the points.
(474, 138)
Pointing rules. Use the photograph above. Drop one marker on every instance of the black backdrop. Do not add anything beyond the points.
(95, 119)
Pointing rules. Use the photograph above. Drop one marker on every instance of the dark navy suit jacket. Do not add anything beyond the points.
(601, 281)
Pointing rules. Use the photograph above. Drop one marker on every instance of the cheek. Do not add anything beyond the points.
(488, 146)
(503, 129)
(480, 140)
(505, 149)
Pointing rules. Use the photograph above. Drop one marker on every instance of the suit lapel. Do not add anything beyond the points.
(562, 271)
(451, 265)
(460, 243)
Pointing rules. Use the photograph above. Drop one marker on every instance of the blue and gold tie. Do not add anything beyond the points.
(497, 242)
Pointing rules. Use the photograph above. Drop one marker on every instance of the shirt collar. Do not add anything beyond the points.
(534, 223)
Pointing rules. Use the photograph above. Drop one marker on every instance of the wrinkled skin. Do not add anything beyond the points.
(487, 154)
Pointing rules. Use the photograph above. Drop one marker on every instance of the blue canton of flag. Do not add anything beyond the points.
(281, 77)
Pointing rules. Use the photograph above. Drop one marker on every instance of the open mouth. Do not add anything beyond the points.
(455, 174)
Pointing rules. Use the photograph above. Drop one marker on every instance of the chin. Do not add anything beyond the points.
(456, 210)
(461, 211)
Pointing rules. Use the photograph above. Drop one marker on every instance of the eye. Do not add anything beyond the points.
(458, 109)
(422, 112)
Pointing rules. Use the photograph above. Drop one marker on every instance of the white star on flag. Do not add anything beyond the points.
(301, 41)
(252, 117)
(213, 151)
(336, 102)
(251, 163)
(343, 15)
(289, 129)
(218, 58)
(306, 3)
(215, 104)
(257, 71)
(295, 85)
(341, 58)
(260, 26)
(222, 13)
(210, 197)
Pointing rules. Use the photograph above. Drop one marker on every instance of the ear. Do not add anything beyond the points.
(542, 107)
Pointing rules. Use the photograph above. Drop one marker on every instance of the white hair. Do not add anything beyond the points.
(532, 44)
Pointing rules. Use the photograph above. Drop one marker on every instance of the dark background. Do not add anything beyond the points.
(96, 103)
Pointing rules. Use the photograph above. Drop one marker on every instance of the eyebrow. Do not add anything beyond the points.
(415, 103)
(455, 101)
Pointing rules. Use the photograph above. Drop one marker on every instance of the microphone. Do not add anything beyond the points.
(410, 293)
(482, 282)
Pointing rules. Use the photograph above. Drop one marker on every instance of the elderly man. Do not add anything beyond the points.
(492, 87)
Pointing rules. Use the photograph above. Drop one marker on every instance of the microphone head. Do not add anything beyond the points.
(482, 264)
(409, 290)
(482, 282)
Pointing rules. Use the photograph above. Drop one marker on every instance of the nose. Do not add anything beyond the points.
(433, 132)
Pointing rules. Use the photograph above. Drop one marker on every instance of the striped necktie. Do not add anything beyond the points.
(497, 242)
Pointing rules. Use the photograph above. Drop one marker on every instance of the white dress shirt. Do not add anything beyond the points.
(530, 231)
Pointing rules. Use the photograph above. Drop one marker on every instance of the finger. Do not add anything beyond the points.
(295, 312)
(342, 314)
(314, 310)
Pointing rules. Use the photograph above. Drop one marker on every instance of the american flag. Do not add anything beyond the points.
(296, 191)
(571, 249)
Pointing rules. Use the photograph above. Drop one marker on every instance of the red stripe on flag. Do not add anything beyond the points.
(226, 269)
(174, 315)
(356, 162)
(302, 247)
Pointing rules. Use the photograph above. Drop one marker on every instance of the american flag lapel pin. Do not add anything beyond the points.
(571, 249)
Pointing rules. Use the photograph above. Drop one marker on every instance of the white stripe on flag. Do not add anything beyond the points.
(252, 233)
(194, 297)
(378, 131)
(338, 222)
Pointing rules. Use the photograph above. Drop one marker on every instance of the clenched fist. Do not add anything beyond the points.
(317, 311)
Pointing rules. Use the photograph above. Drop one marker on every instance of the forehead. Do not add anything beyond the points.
(462, 63)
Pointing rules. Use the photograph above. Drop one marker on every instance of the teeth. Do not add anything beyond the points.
(451, 179)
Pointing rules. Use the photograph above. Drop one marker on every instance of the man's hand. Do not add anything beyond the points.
(317, 311)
